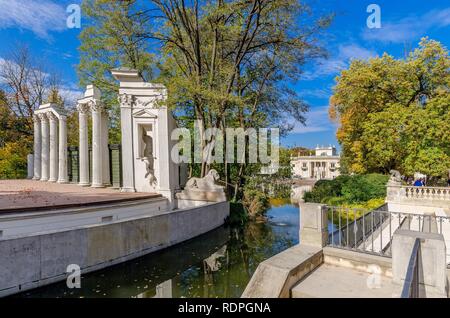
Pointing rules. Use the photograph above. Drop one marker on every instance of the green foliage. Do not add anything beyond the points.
(345, 190)
(362, 188)
(238, 214)
(395, 114)
(255, 201)
(13, 159)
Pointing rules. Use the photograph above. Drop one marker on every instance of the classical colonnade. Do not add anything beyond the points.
(50, 142)
(100, 151)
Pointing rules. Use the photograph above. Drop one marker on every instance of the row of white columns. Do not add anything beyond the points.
(50, 147)
(100, 151)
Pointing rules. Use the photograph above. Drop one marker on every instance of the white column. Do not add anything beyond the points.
(37, 148)
(97, 142)
(83, 150)
(45, 148)
(30, 166)
(105, 149)
(53, 147)
(62, 174)
(126, 121)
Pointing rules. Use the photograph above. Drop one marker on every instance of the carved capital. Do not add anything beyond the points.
(36, 117)
(51, 116)
(96, 106)
(42, 117)
(83, 108)
(126, 100)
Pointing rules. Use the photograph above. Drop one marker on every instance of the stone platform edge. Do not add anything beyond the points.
(34, 261)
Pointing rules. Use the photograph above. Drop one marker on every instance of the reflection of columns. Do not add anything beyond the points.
(83, 150)
(53, 147)
(62, 174)
(45, 155)
(37, 148)
(105, 150)
(97, 142)
(164, 290)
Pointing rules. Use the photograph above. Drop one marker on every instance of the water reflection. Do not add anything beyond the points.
(217, 264)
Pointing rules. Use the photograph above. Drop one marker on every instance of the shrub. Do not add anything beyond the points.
(256, 202)
(348, 189)
(13, 160)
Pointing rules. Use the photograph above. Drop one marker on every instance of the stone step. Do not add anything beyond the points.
(329, 281)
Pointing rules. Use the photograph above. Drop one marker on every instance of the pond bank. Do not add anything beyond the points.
(217, 264)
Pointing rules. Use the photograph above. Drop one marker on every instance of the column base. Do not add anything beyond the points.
(36, 178)
(43, 180)
(130, 190)
(62, 181)
(52, 180)
(84, 184)
(99, 185)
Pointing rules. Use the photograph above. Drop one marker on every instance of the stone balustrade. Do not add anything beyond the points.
(420, 199)
(428, 193)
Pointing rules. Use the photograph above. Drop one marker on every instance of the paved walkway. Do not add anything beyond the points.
(330, 281)
(23, 194)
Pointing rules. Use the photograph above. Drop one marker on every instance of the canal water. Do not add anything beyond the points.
(217, 264)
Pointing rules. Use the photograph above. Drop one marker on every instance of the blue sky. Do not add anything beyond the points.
(41, 25)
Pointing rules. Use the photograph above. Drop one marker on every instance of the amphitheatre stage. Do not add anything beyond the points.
(29, 195)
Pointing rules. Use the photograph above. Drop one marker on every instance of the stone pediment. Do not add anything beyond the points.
(144, 113)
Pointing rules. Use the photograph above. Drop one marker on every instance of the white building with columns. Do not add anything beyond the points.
(50, 144)
(324, 164)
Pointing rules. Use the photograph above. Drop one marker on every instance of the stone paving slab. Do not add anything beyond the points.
(329, 281)
(26, 194)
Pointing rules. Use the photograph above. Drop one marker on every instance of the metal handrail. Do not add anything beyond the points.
(411, 285)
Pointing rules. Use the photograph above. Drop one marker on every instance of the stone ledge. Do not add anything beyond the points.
(357, 260)
(275, 277)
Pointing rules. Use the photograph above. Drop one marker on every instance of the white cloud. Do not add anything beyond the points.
(322, 93)
(70, 95)
(40, 17)
(316, 121)
(339, 62)
(409, 28)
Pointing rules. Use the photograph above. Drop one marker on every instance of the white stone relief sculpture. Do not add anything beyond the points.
(126, 100)
(147, 156)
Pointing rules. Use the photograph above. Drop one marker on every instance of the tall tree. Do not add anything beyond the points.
(231, 63)
(26, 84)
(394, 114)
(228, 63)
(113, 36)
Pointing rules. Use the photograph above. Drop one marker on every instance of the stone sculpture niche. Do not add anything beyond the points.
(146, 152)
